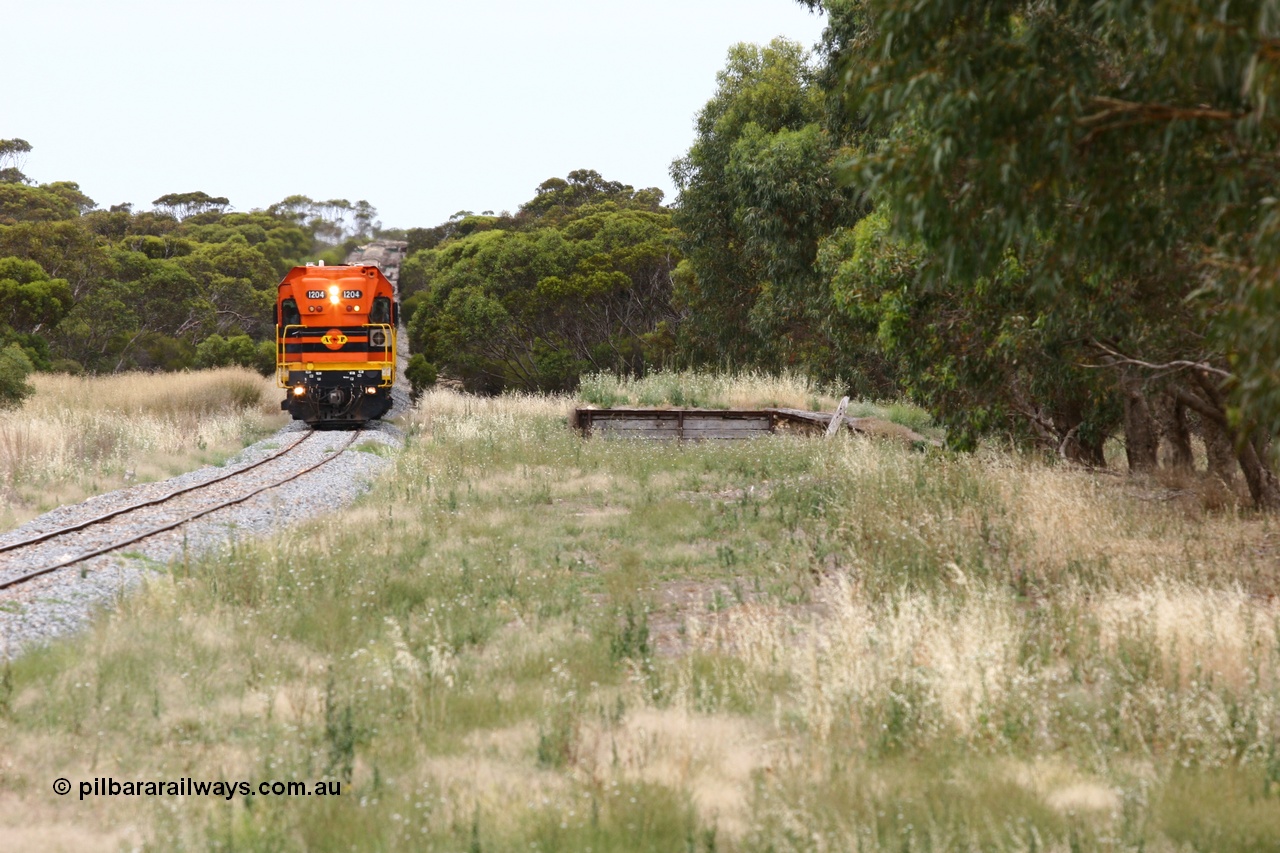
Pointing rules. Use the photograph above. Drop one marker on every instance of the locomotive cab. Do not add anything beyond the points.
(336, 344)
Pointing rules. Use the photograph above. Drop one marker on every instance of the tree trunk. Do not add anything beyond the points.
(1222, 455)
(1094, 453)
(1264, 488)
(1084, 452)
(1141, 437)
(1176, 433)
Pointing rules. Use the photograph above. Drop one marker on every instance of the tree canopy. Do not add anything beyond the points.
(1079, 195)
(182, 205)
(579, 279)
(189, 282)
(13, 156)
(759, 190)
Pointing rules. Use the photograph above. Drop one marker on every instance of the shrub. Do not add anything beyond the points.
(421, 374)
(265, 361)
(235, 351)
(15, 367)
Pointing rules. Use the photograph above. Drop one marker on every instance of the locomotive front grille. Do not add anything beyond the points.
(339, 349)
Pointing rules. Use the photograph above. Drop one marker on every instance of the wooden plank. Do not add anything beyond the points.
(637, 424)
(761, 423)
(691, 424)
(671, 430)
(670, 435)
(623, 413)
(700, 417)
(821, 419)
(727, 434)
(838, 417)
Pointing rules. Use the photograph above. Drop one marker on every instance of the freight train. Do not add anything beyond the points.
(336, 344)
(386, 255)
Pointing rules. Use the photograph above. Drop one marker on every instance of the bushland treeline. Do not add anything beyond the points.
(1050, 222)
(189, 283)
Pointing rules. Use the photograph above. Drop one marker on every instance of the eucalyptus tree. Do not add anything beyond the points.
(758, 192)
(1123, 155)
(31, 303)
(183, 205)
(13, 156)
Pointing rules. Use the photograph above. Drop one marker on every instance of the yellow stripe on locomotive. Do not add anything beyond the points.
(336, 343)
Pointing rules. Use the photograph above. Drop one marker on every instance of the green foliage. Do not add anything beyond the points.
(1087, 191)
(420, 373)
(30, 304)
(47, 202)
(758, 193)
(13, 153)
(579, 280)
(15, 367)
(158, 351)
(235, 351)
(331, 221)
(986, 357)
(631, 639)
(66, 250)
(265, 359)
(29, 299)
(584, 186)
(115, 289)
(182, 205)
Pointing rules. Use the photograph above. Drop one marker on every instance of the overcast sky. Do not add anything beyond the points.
(422, 108)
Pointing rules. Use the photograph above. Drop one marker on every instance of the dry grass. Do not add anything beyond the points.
(471, 416)
(896, 651)
(743, 390)
(80, 436)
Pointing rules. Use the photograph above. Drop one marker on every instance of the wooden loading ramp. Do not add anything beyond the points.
(704, 424)
(685, 424)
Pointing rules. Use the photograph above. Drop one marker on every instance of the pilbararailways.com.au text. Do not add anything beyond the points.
(188, 787)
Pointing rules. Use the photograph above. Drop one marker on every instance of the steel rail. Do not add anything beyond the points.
(53, 534)
(12, 582)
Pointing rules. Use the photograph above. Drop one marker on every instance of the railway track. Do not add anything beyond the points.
(95, 536)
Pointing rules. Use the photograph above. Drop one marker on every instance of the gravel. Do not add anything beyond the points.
(401, 402)
(65, 600)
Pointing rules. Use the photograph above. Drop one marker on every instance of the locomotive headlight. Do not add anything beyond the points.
(371, 390)
(378, 338)
(299, 390)
(333, 294)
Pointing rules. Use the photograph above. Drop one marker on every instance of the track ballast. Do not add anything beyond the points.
(58, 569)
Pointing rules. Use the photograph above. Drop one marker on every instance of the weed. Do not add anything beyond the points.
(340, 735)
(558, 740)
(631, 640)
(377, 448)
(6, 688)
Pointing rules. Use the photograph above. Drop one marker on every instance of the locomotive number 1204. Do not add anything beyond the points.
(346, 294)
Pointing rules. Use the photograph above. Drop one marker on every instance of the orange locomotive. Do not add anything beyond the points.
(336, 344)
